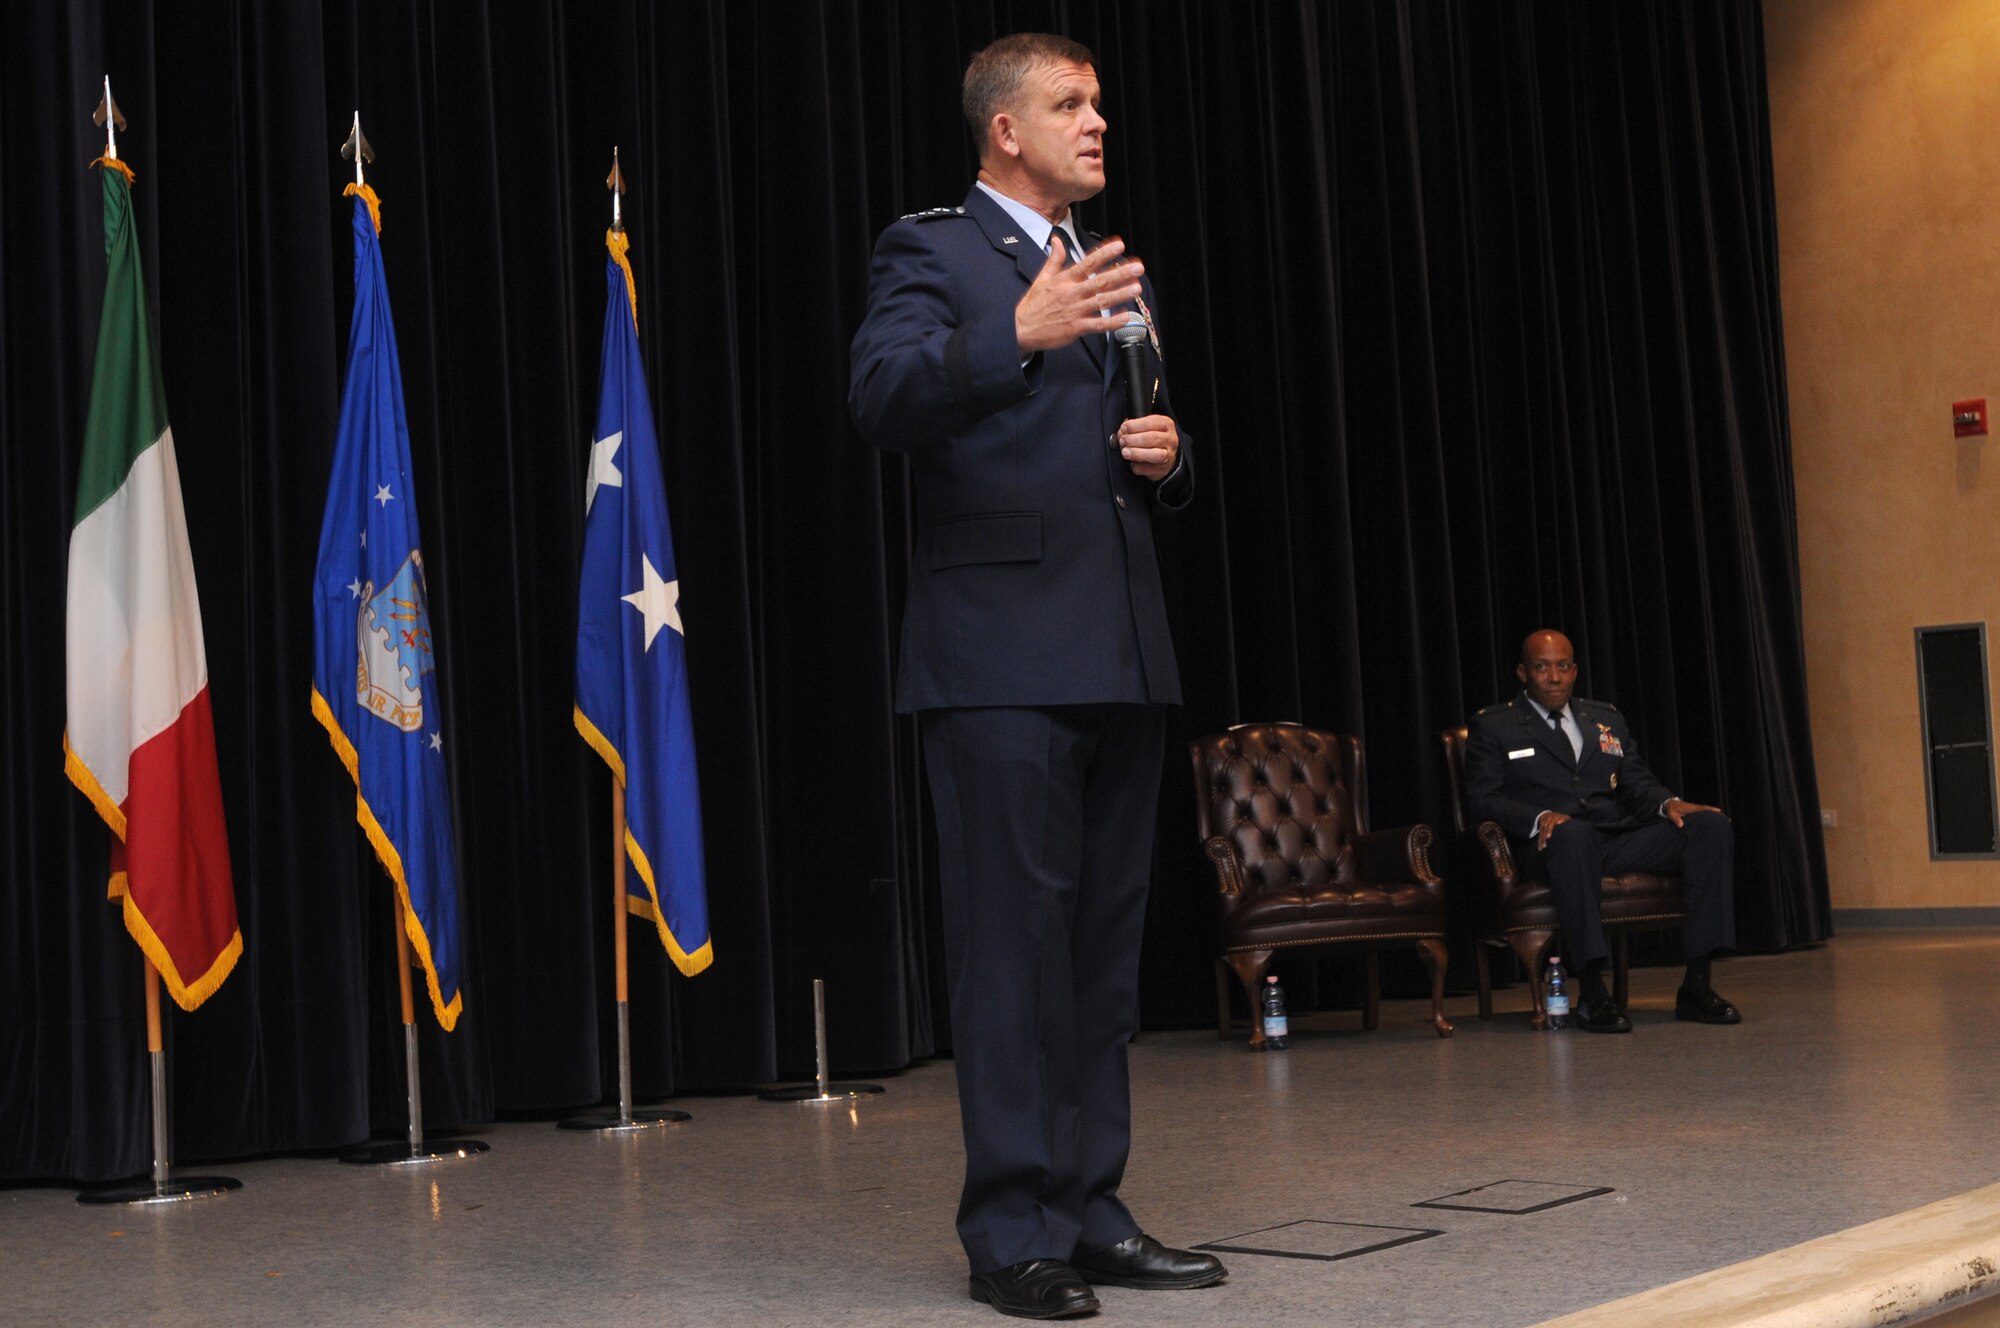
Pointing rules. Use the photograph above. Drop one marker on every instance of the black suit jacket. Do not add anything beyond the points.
(1517, 766)
(1034, 579)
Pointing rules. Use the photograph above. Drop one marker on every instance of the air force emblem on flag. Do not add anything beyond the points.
(393, 634)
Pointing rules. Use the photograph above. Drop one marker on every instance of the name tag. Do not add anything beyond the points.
(1520, 752)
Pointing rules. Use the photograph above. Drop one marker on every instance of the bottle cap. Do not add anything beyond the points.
(1273, 978)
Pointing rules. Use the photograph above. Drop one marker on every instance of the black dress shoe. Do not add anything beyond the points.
(1600, 1014)
(1144, 1263)
(1705, 1007)
(1037, 1289)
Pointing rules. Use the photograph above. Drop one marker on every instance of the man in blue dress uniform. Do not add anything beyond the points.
(1036, 654)
(1562, 776)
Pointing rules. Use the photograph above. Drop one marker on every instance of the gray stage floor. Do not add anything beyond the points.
(1862, 1083)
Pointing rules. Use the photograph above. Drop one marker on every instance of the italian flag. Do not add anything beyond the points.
(141, 740)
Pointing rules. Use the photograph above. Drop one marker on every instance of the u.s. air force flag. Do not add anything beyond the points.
(631, 665)
(375, 680)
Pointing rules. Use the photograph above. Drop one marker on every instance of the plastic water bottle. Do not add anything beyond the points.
(1558, 993)
(1276, 1026)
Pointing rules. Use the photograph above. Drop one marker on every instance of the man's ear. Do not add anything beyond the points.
(1521, 672)
(1001, 135)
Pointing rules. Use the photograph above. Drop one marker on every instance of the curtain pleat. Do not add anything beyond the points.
(1472, 311)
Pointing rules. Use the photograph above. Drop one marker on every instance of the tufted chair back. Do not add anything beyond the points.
(1290, 800)
(1454, 740)
(1283, 815)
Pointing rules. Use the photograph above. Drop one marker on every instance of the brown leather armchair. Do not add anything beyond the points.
(1521, 914)
(1283, 816)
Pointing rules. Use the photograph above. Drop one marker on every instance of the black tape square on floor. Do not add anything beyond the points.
(1311, 1238)
(1514, 1198)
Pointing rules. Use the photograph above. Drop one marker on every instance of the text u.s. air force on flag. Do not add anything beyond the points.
(631, 660)
(375, 679)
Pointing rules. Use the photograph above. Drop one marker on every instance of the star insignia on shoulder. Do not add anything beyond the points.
(932, 214)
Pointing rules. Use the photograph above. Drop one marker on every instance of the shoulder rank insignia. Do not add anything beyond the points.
(1607, 741)
(932, 214)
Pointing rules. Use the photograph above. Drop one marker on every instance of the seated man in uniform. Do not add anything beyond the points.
(1562, 777)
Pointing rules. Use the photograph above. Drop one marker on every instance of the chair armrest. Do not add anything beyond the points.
(1499, 855)
(1403, 854)
(1228, 871)
(1490, 844)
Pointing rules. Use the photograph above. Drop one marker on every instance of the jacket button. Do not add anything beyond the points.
(1121, 500)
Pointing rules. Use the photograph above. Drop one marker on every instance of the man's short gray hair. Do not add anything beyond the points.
(993, 79)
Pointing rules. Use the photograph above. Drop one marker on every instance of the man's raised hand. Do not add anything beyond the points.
(1066, 303)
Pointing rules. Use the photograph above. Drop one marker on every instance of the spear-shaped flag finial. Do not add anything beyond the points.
(356, 149)
(615, 182)
(110, 119)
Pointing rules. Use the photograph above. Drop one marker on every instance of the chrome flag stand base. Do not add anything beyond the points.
(819, 1090)
(165, 1188)
(175, 1189)
(417, 1152)
(627, 1121)
(642, 1118)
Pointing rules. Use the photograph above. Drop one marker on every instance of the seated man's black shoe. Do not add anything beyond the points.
(1705, 1007)
(1596, 1012)
(1144, 1263)
(1036, 1289)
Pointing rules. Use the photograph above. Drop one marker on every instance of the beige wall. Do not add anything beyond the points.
(1885, 133)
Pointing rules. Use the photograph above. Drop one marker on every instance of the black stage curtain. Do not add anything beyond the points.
(1472, 310)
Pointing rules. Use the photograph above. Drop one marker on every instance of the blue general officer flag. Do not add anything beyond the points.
(375, 680)
(631, 658)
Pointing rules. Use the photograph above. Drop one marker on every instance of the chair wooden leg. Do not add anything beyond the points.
(1529, 947)
(1371, 1009)
(1435, 958)
(1621, 971)
(1484, 963)
(1249, 967)
(1221, 999)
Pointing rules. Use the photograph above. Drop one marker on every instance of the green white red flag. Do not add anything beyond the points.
(140, 741)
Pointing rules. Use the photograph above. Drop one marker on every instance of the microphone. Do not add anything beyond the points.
(1129, 338)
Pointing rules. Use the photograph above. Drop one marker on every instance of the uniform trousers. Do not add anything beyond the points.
(1580, 855)
(1045, 823)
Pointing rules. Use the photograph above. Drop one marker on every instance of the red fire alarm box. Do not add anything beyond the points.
(1968, 418)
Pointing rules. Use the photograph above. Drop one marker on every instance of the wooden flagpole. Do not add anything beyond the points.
(163, 1188)
(619, 949)
(627, 1119)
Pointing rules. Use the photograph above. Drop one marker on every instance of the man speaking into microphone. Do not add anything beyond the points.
(1036, 656)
